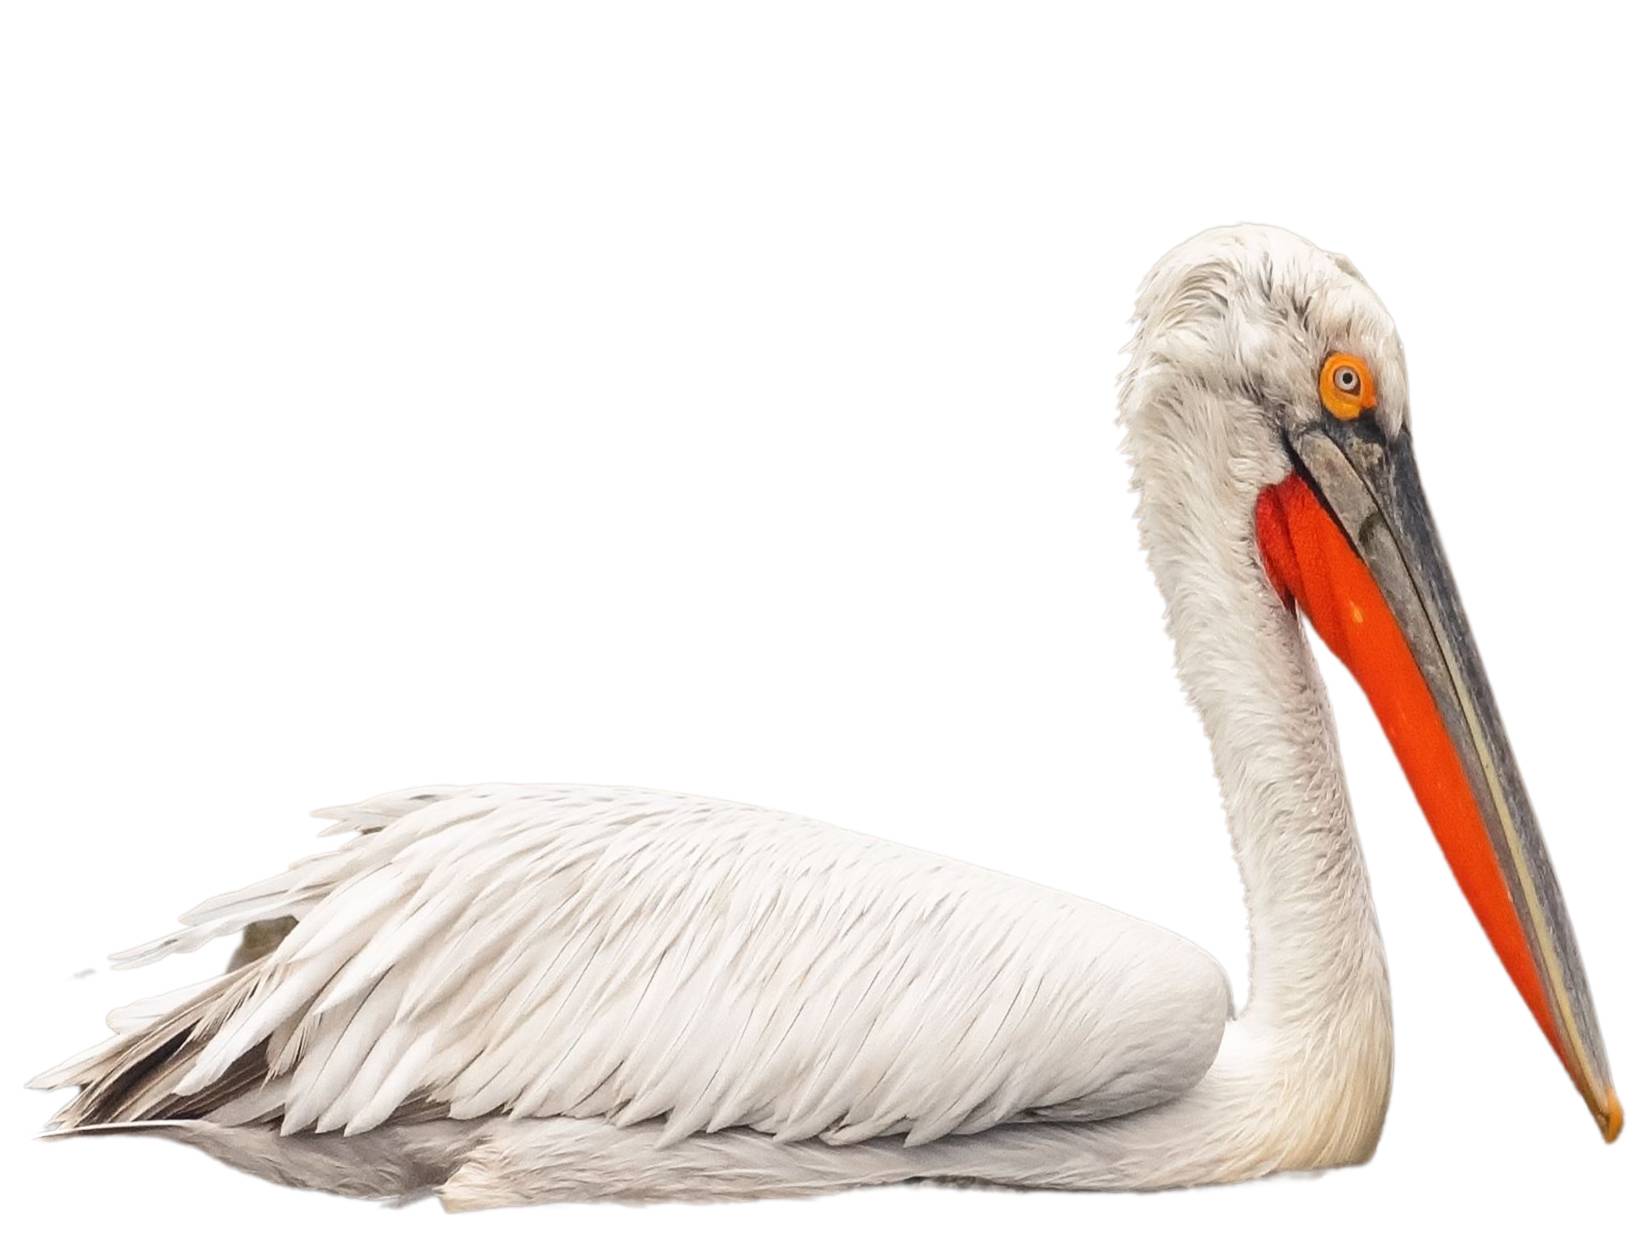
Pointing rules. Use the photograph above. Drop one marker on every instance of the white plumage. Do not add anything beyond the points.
(513, 994)
(519, 993)
(605, 953)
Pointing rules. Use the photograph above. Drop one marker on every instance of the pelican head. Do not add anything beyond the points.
(1268, 380)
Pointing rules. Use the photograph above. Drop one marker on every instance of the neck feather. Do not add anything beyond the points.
(1317, 1021)
(1248, 671)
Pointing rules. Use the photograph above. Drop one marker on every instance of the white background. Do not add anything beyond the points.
(721, 398)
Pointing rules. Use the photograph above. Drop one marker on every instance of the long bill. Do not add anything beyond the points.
(1349, 538)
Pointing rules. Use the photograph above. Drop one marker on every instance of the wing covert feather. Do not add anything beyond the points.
(633, 955)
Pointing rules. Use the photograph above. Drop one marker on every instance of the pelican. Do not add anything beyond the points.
(518, 993)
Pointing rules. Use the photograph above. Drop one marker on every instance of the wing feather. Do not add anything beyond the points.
(539, 951)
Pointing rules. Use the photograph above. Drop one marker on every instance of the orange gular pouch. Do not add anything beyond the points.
(1313, 566)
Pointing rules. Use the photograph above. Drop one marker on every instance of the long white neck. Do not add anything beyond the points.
(1248, 672)
(1318, 997)
(1306, 1068)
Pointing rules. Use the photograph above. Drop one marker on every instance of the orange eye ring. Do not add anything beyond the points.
(1346, 386)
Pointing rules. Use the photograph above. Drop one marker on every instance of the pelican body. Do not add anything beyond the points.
(510, 994)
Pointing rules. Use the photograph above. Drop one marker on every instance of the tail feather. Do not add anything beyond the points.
(168, 1061)
(131, 1077)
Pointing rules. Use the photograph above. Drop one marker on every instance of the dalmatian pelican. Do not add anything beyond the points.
(518, 993)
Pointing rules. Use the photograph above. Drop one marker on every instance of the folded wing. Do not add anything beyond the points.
(629, 955)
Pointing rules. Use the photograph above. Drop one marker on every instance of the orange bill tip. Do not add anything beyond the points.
(1612, 1118)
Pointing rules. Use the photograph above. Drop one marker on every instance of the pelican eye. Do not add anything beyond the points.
(1346, 386)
